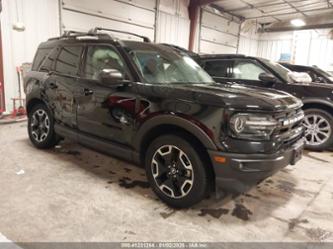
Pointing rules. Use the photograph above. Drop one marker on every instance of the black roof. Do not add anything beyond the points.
(223, 56)
(289, 65)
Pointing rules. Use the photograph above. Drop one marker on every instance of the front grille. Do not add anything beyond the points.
(290, 127)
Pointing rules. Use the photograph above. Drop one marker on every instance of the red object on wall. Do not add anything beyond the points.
(2, 87)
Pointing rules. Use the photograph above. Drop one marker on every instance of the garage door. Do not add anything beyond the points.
(137, 16)
(218, 34)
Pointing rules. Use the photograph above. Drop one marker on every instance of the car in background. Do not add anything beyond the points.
(317, 75)
(157, 107)
(254, 71)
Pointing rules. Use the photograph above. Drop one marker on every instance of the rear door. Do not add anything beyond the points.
(62, 83)
(104, 110)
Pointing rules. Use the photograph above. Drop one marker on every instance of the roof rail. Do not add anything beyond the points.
(95, 32)
(72, 34)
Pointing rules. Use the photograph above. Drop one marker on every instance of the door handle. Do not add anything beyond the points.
(53, 85)
(87, 92)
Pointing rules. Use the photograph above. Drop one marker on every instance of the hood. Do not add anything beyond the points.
(233, 96)
(314, 85)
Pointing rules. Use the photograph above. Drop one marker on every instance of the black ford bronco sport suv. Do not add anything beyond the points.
(151, 105)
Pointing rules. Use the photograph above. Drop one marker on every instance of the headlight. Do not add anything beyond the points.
(252, 126)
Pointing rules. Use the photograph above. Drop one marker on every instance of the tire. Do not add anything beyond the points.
(319, 129)
(188, 171)
(41, 135)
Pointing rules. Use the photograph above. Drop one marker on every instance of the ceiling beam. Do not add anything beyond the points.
(205, 2)
(290, 13)
(311, 22)
(222, 10)
(263, 5)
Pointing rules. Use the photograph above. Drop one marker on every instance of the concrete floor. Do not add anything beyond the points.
(71, 193)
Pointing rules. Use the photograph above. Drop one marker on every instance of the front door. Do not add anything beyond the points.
(104, 110)
(241, 71)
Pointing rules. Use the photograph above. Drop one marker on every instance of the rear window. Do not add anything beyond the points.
(68, 60)
(40, 57)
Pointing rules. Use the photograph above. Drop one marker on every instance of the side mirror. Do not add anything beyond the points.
(320, 80)
(267, 79)
(111, 76)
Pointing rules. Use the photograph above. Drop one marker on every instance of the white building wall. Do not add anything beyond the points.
(41, 21)
(132, 16)
(308, 47)
(249, 39)
(218, 33)
(173, 23)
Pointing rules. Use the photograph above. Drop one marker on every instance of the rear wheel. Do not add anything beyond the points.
(319, 129)
(176, 172)
(41, 127)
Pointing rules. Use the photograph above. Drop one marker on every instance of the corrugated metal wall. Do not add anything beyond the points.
(308, 47)
(133, 16)
(218, 34)
(173, 23)
(314, 48)
(41, 21)
(272, 45)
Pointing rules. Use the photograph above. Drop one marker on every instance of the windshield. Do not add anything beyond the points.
(279, 69)
(326, 74)
(167, 66)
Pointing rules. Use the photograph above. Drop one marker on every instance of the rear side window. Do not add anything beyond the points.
(219, 68)
(49, 61)
(40, 57)
(68, 60)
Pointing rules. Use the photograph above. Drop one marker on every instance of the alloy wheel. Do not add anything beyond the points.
(318, 129)
(40, 125)
(172, 171)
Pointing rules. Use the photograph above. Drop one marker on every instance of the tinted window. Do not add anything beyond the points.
(102, 57)
(246, 70)
(41, 54)
(49, 61)
(219, 68)
(68, 60)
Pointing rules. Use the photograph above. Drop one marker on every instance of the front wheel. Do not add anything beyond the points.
(176, 172)
(41, 127)
(319, 129)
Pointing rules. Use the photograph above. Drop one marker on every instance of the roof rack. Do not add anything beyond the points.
(72, 34)
(95, 32)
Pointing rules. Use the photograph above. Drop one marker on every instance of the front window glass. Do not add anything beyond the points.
(277, 68)
(246, 70)
(102, 57)
(159, 66)
(327, 74)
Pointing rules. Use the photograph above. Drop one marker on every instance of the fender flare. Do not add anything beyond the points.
(318, 101)
(169, 119)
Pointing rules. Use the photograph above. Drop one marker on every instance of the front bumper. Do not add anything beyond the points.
(239, 172)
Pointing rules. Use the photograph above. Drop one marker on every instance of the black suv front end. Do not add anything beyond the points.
(257, 146)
